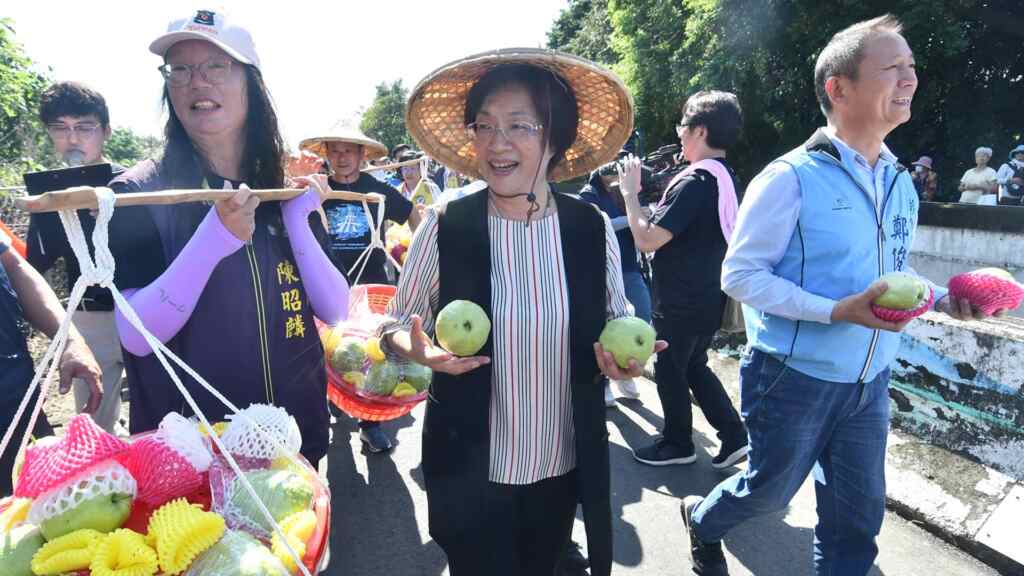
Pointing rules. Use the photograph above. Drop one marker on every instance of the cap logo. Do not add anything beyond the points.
(204, 17)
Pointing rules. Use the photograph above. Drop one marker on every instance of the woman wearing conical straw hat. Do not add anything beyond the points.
(514, 438)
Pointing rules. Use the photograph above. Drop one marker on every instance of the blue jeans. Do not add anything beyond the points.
(638, 294)
(798, 424)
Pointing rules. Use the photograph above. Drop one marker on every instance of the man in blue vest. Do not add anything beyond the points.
(817, 228)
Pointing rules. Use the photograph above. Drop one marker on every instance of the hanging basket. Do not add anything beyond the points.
(366, 304)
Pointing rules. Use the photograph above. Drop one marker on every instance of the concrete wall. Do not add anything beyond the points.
(961, 386)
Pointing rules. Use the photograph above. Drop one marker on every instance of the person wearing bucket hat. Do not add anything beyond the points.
(514, 437)
(230, 288)
(926, 180)
(1011, 178)
(348, 225)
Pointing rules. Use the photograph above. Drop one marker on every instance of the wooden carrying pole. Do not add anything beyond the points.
(85, 197)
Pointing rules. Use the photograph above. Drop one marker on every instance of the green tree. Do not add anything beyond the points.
(23, 142)
(584, 29)
(384, 120)
(125, 147)
(969, 54)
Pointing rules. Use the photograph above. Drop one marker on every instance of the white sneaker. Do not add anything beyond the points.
(627, 388)
(609, 396)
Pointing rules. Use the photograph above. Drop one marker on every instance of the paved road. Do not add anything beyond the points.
(380, 518)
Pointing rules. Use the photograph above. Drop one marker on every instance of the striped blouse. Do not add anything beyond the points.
(532, 436)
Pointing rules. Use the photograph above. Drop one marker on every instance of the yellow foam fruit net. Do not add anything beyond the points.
(181, 531)
(218, 428)
(68, 553)
(15, 514)
(298, 528)
(124, 553)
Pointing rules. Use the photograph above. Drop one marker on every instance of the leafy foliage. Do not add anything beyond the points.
(970, 65)
(23, 142)
(384, 120)
(125, 147)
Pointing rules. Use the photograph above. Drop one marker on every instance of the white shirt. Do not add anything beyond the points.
(532, 434)
(764, 227)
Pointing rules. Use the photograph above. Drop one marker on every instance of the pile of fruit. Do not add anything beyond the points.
(356, 361)
(396, 241)
(165, 502)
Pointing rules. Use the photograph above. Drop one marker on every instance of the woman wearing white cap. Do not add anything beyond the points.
(514, 438)
(979, 185)
(232, 288)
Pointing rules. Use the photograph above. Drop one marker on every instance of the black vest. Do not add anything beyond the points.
(456, 431)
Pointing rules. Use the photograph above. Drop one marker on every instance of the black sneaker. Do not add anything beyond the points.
(731, 454)
(575, 562)
(708, 559)
(375, 439)
(664, 453)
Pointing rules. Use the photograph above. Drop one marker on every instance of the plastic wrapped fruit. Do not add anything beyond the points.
(906, 297)
(988, 289)
(349, 355)
(382, 379)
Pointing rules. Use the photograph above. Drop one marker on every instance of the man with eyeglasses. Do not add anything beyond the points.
(78, 123)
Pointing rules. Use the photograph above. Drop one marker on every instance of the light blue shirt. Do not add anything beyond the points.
(764, 227)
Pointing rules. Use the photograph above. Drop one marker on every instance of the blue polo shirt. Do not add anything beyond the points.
(252, 333)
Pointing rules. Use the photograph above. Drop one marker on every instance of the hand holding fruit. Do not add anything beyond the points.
(238, 213)
(857, 309)
(624, 347)
(415, 345)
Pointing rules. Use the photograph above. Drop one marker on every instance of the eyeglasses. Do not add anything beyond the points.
(680, 128)
(63, 131)
(214, 71)
(515, 132)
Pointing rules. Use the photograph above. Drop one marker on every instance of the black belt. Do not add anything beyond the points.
(96, 305)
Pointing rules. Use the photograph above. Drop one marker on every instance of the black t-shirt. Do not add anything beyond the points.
(687, 270)
(349, 232)
(48, 242)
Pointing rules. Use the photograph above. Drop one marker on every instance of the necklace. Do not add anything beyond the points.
(547, 206)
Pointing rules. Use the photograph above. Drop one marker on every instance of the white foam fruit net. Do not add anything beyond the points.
(280, 435)
(182, 436)
(104, 479)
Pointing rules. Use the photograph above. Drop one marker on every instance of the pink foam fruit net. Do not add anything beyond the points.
(49, 466)
(892, 315)
(987, 292)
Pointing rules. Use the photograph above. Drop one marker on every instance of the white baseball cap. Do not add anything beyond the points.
(213, 27)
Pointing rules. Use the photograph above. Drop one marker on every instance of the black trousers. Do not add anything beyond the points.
(684, 367)
(528, 531)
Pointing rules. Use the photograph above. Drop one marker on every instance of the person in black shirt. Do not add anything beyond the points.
(78, 123)
(688, 234)
(25, 298)
(349, 229)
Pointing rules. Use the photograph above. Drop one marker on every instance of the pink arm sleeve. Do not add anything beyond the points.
(167, 303)
(325, 286)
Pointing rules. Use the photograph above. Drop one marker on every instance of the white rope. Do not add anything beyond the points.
(375, 241)
(101, 272)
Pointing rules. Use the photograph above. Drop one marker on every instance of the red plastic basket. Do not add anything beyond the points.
(316, 547)
(373, 298)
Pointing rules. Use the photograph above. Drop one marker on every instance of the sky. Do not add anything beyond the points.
(321, 60)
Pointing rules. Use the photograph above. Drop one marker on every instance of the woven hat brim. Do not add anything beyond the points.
(435, 111)
(371, 148)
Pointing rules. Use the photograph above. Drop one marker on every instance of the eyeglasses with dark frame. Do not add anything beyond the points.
(515, 132)
(83, 131)
(214, 71)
